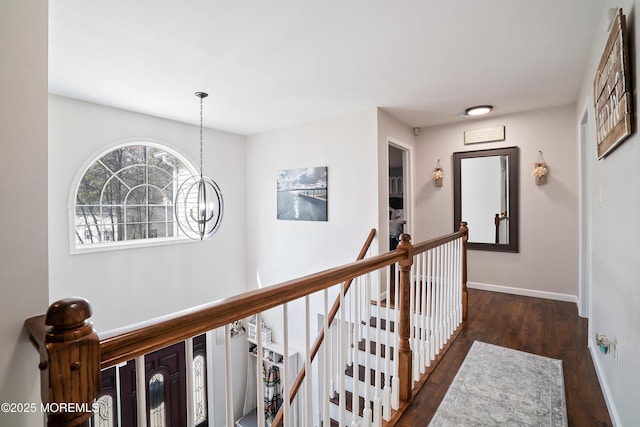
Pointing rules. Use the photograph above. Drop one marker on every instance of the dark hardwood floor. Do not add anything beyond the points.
(545, 327)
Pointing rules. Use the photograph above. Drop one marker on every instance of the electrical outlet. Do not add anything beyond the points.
(606, 346)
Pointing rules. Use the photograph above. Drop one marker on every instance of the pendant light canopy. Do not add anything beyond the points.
(199, 205)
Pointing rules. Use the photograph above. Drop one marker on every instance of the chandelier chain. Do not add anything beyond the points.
(201, 133)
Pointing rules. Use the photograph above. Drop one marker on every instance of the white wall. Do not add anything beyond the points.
(548, 257)
(614, 233)
(23, 191)
(131, 285)
(281, 250)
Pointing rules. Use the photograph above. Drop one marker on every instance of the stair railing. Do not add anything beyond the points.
(72, 354)
(414, 361)
(313, 352)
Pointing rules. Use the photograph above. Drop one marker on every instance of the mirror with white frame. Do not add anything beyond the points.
(485, 194)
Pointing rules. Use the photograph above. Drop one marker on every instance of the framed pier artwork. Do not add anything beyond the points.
(302, 194)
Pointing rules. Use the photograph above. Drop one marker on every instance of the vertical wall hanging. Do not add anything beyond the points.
(438, 175)
(540, 170)
(612, 90)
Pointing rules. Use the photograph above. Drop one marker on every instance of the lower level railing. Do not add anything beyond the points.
(379, 341)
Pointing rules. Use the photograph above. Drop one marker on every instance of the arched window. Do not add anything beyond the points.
(127, 194)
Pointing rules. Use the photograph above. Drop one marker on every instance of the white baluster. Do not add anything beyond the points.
(188, 355)
(441, 287)
(307, 364)
(377, 380)
(351, 349)
(366, 413)
(341, 359)
(141, 386)
(415, 327)
(286, 400)
(259, 370)
(447, 291)
(437, 288)
(419, 349)
(326, 363)
(454, 286)
(386, 396)
(429, 319)
(228, 377)
(395, 381)
(424, 345)
(355, 396)
(440, 297)
(118, 393)
(459, 281)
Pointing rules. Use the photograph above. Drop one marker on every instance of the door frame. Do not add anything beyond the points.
(584, 216)
(408, 179)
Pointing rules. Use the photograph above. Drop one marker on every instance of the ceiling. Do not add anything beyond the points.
(274, 64)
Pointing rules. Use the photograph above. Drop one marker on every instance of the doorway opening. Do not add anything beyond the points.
(399, 199)
(397, 217)
(400, 194)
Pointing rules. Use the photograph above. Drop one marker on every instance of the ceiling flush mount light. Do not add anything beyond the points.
(199, 205)
(478, 110)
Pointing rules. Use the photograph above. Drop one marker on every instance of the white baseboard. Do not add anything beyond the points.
(604, 386)
(524, 292)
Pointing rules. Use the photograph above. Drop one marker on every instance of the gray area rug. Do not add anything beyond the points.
(498, 386)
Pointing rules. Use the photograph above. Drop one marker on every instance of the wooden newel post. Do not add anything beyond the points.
(70, 364)
(405, 371)
(465, 293)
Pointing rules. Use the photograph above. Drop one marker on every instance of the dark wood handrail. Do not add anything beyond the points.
(434, 243)
(136, 340)
(140, 339)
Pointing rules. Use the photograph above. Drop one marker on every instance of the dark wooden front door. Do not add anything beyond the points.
(165, 389)
(166, 385)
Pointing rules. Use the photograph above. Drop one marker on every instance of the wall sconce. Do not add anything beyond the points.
(437, 174)
(540, 170)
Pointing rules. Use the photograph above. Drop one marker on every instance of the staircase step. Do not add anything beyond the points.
(361, 372)
(348, 402)
(362, 344)
(373, 322)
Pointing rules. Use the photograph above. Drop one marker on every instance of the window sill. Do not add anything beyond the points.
(130, 244)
